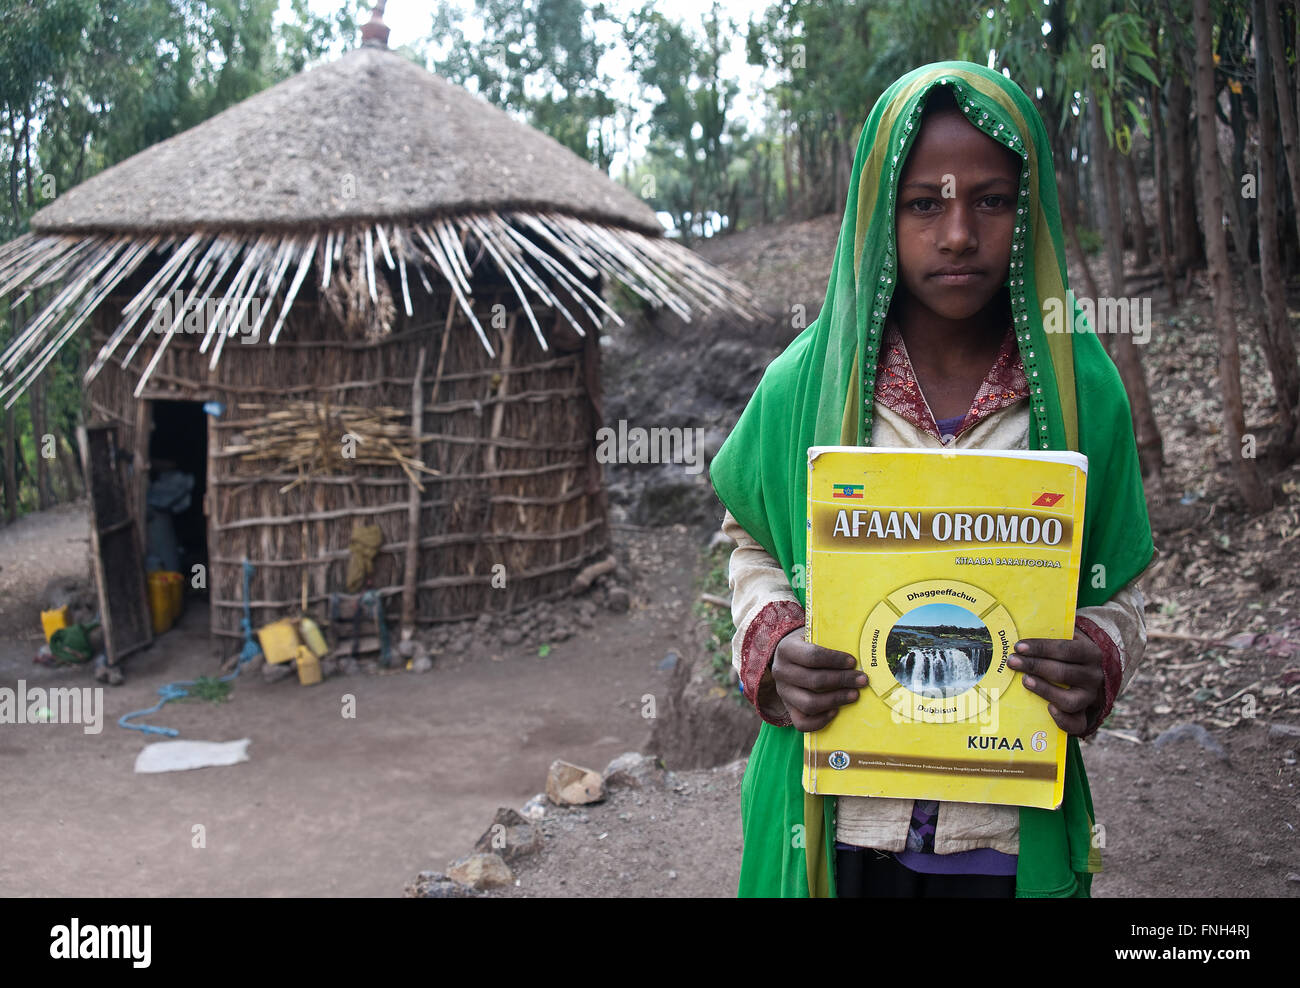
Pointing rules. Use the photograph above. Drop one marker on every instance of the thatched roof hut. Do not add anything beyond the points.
(364, 253)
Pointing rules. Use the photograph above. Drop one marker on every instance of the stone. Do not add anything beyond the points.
(349, 666)
(512, 636)
(406, 649)
(1190, 732)
(535, 808)
(669, 662)
(436, 885)
(619, 600)
(329, 666)
(510, 835)
(632, 770)
(572, 785)
(421, 663)
(275, 673)
(1283, 731)
(481, 871)
(561, 633)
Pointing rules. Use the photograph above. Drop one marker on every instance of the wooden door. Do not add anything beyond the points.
(114, 538)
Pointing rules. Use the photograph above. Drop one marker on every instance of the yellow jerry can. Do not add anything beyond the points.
(309, 673)
(53, 620)
(311, 635)
(279, 640)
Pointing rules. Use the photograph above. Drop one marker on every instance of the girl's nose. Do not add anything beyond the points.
(957, 229)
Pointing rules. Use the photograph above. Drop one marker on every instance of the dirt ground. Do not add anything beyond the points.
(325, 805)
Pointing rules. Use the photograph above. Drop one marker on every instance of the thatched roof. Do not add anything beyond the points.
(370, 136)
(364, 164)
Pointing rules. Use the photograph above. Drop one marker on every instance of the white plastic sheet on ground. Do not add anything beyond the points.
(177, 756)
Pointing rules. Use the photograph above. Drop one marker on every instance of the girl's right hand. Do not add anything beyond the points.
(814, 682)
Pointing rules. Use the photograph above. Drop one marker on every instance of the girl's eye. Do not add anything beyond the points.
(996, 201)
(916, 203)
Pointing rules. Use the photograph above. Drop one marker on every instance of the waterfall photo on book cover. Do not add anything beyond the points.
(939, 650)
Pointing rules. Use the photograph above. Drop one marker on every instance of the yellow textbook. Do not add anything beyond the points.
(929, 566)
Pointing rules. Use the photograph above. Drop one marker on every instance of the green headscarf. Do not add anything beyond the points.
(820, 392)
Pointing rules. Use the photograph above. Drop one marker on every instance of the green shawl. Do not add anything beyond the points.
(819, 392)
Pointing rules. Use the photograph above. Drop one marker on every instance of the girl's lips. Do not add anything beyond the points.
(958, 279)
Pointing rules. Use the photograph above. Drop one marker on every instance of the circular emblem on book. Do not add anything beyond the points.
(838, 759)
(936, 651)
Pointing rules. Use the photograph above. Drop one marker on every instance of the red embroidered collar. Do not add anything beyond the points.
(898, 390)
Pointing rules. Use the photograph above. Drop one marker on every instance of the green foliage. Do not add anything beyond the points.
(208, 688)
(538, 59)
(717, 619)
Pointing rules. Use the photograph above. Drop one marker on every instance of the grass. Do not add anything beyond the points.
(210, 689)
(717, 619)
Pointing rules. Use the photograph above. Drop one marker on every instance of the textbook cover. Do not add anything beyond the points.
(929, 565)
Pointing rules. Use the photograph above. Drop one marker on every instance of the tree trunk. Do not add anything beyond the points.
(1164, 235)
(11, 467)
(1275, 331)
(1138, 220)
(1254, 492)
(1270, 26)
(36, 398)
(1150, 445)
(1187, 235)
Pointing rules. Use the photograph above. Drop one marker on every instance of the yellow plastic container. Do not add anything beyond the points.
(175, 594)
(160, 601)
(311, 634)
(53, 620)
(279, 641)
(309, 673)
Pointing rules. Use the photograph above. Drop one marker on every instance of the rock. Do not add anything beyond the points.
(421, 663)
(561, 633)
(484, 623)
(535, 808)
(278, 671)
(572, 785)
(329, 666)
(669, 662)
(619, 600)
(481, 871)
(1293, 876)
(510, 835)
(1190, 732)
(512, 636)
(406, 649)
(632, 770)
(349, 666)
(1283, 731)
(436, 885)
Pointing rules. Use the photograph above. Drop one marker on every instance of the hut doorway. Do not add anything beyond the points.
(177, 491)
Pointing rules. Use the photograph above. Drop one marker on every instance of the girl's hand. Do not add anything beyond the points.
(814, 682)
(1075, 664)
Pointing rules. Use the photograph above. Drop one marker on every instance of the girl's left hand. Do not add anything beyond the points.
(1075, 664)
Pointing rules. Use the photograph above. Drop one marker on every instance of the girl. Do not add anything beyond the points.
(931, 335)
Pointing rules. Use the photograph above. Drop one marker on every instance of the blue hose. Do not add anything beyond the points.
(180, 690)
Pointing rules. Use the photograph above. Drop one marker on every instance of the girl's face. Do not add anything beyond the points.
(956, 209)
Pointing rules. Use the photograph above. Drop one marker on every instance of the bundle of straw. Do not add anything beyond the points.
(313, 438)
